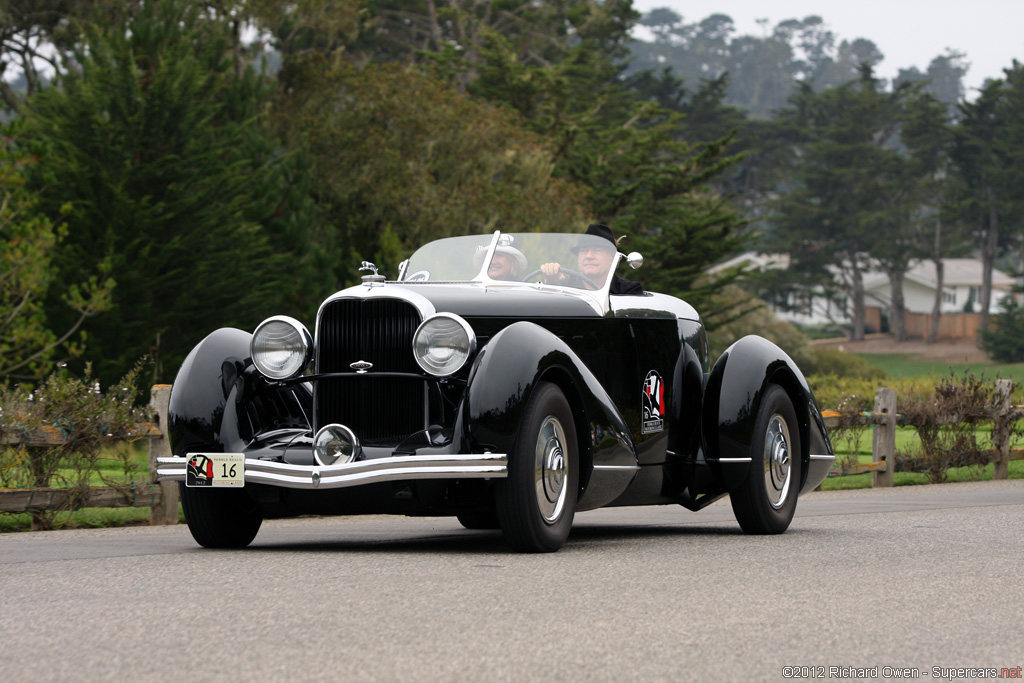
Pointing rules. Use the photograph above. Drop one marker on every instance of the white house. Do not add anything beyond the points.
(961, 283)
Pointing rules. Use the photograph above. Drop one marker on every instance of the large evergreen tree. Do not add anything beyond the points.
(848, 207)
(158, 143)
(981, 162)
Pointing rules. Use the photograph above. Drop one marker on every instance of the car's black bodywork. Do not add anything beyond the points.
(653, 422)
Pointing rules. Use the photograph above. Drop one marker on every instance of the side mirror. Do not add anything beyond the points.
(635, 259)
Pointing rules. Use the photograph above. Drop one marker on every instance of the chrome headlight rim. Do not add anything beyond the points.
(305, 347)
(470, 341)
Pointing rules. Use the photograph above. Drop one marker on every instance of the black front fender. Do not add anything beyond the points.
(505, 374)
(732, 399)
(219, 402)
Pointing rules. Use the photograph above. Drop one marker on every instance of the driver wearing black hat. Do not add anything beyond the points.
(596, 256)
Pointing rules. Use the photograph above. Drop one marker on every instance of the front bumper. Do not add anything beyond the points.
(395, 468)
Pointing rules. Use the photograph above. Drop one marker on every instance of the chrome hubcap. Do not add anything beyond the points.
(551, 468)
(777, 461)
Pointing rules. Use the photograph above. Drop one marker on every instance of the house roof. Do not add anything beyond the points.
(752, 260)
(966, 272)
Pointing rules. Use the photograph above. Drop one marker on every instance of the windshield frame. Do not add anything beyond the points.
(482, 278)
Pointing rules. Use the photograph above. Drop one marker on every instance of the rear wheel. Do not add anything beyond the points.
(536, 503)
(220, 518)
(766, 501)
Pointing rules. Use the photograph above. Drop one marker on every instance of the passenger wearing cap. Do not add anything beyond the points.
(596, 256)
(508, 263)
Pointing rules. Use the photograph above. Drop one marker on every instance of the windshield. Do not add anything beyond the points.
(567, 259)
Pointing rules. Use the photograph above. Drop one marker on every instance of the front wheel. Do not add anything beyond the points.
(536, 503)
(479, 519)
(220, 518)
(766, 501)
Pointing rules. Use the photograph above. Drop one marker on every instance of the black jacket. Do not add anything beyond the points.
(622, 287)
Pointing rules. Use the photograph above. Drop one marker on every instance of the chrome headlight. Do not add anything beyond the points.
(281, 347)
(443, 343)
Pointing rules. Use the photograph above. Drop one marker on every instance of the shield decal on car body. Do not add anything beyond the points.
(653, 403)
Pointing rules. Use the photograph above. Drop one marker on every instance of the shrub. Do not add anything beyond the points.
(89, 419)
(756, 318)
(829, 360)
(1004, 340)
(947, 419)
(823, 331)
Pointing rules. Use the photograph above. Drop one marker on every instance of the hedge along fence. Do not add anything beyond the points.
(975, 404)
(160, 497)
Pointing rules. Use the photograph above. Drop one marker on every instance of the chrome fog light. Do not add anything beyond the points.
(281, 347)
(335, 444)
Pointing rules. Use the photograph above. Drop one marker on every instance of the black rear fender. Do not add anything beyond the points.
(733, 397)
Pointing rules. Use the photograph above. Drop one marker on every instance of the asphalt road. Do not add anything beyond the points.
(919, 577)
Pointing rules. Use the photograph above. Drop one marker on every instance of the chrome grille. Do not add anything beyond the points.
(380, 410)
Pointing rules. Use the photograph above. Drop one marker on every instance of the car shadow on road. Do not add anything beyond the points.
(466, 542)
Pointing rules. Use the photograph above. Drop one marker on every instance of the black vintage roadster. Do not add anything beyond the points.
(507, 403)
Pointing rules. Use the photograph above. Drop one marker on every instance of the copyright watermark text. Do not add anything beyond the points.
(938, 673)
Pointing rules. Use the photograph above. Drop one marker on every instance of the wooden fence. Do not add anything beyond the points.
(885, 419)
(951, 325)
(162, 497)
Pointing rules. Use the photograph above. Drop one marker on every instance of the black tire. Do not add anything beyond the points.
(479, 519)
(536, 503)
(220, 518)
(766, 501)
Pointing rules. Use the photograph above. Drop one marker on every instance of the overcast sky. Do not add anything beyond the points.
(908, 32)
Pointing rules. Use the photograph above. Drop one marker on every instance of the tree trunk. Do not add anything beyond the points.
(857, 282)
(897, 322)
(435, 28)
(933, 329)
(988, 260)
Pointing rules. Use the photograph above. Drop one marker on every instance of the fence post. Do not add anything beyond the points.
(1001, 429)
(166, 511)
(883, 439)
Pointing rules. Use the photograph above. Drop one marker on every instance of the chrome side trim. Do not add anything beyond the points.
(818, 469)
(459, 466)
(729, 459)
(617, 468)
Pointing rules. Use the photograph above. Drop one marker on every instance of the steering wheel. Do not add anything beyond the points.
(570, 275)
(418, 276)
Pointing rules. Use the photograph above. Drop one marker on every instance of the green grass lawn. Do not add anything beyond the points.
(902, 365)
(863, 481)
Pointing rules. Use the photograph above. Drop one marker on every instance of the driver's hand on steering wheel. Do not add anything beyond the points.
(551, 274)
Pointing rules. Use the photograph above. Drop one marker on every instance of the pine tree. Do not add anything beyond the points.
(159, 146)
